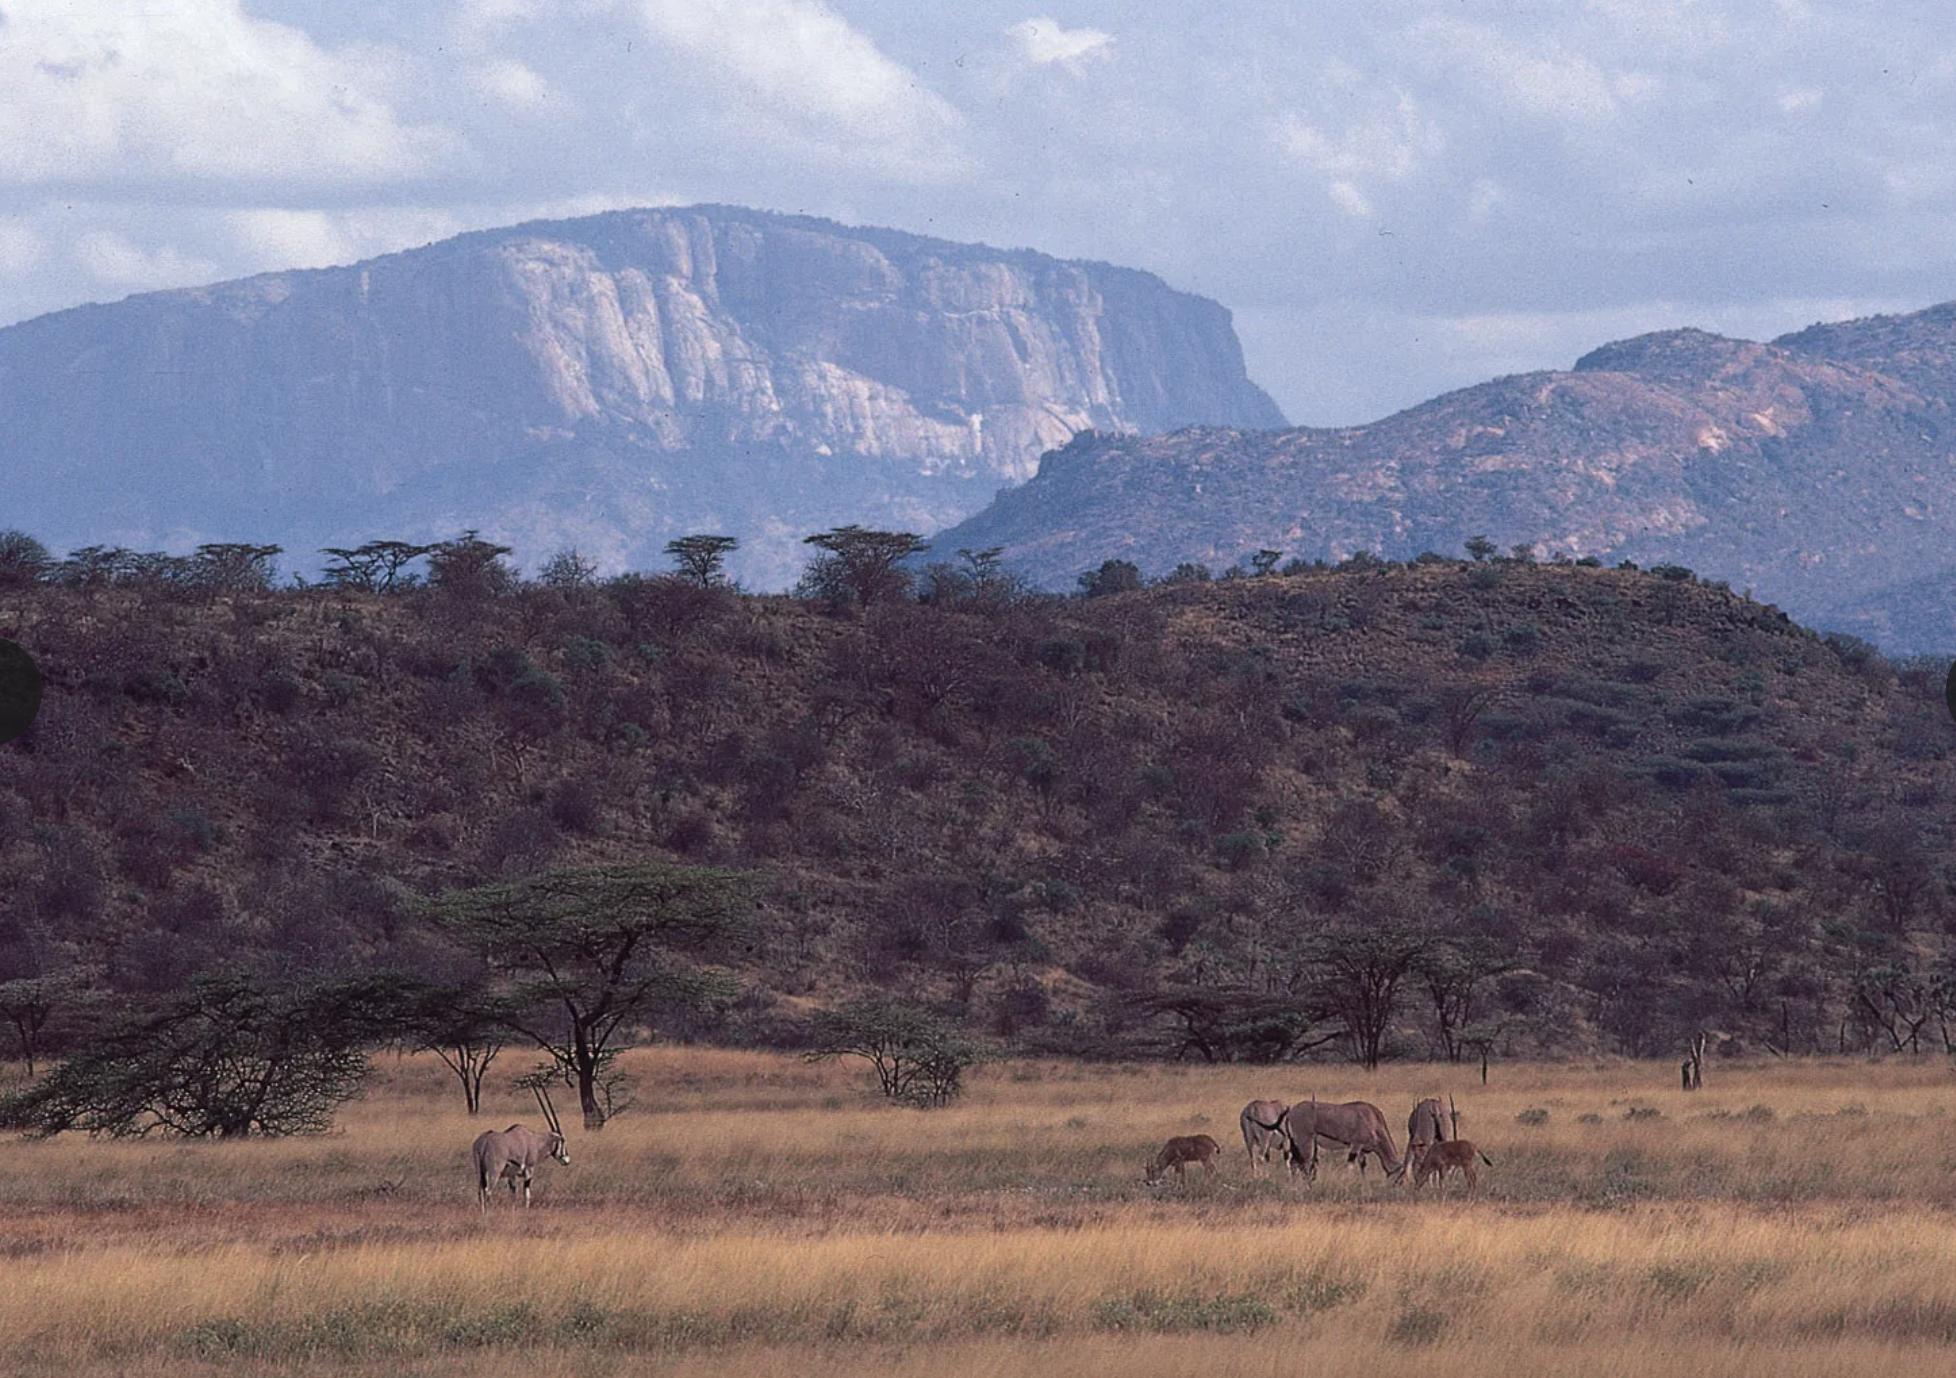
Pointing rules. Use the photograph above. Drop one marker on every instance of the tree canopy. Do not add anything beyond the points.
(585, 955)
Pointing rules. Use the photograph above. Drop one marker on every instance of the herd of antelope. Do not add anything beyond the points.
(1359, 1127)
(1433, 1145)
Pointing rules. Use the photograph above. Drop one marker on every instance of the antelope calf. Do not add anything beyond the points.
(1182, 1150)
(1434, 1160)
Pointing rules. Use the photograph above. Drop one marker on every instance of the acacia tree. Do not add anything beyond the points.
(465, 1026)
(376, 567)
(1230, 1022)
(700, 557)
(29, 1003)
(585, 956)
(470, 568)
(1361, 968)
(860, 565)
(233, 566)
(1455, 972)
(230, 1056)
(920, 1058)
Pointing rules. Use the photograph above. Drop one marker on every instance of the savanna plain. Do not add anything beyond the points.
(753, 1213)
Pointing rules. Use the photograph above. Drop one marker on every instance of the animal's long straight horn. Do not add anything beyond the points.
(549, 1111)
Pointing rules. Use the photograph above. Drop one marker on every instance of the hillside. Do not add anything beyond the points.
(610, 382)
(1622, 805)
(1817, 470)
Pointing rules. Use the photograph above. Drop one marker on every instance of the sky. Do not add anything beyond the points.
(1394, 198)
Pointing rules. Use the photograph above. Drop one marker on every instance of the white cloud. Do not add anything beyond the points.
(510, 82)
(191, 88)
(801, 60)
(21, 249)
(1046, 42)
(270, 238)
(1348, 198)
(117, 261)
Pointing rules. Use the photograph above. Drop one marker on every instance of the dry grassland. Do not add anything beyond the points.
(761, 1216)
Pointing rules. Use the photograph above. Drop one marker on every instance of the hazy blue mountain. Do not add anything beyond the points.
(607, 382)
(1818, 471)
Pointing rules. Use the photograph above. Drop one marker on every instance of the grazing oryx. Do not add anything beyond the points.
(1262, 1129)
(1435, 1159)
(1426, 1125)
(1358, 1126)
(1182, 1150)
(515, 1153)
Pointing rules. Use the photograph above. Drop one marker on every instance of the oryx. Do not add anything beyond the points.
(1434, 1160)
(515, 1153)
(1262, 1131)
(1357, 1126)
(1426, 1125)
(1182, 1150)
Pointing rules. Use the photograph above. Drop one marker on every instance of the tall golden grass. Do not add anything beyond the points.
(759, 1214)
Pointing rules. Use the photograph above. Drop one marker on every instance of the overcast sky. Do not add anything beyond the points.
(1394, 198)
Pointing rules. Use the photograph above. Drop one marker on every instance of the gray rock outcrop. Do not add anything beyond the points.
(609, 382)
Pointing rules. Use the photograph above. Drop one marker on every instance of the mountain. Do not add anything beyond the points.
(1818, 470)
(610, 382)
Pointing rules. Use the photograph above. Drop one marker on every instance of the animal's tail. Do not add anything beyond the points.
(1485, 1159)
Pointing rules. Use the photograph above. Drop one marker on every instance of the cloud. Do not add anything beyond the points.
(510, 82)
(116, 261)
(196, 89)
(21, 249)
(802, 60)
(271, 238)
(1046, 42)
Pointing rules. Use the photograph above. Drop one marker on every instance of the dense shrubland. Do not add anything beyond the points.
(1445, 808)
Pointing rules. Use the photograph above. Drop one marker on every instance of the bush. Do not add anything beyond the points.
(227, 1058)
(920, 1057)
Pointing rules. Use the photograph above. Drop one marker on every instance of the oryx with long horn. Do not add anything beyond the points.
(514, 1154)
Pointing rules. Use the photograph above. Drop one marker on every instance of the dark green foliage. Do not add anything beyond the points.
(470, 569)
(699, 558)
(376, 567)
(1225, 1022)
(23, 560)
(919, 1056)
(1113, 576)
(858, 567)
(588, 954)
(1162, 790)
(228, 1057)
(1715, 716)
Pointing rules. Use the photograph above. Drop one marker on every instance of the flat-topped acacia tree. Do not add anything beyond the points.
(586, 955)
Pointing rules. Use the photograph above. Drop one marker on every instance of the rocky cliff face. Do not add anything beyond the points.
(609, 382)
(1818, 470)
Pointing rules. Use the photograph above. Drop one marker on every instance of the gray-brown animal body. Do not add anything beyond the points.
(1426, 1125)
(1436, 1160)
(1262, 1122)
(1182, 1150)
(1359, 1127)
(514, 1154)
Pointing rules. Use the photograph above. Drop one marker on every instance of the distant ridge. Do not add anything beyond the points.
(609, 382)
(1818, 470)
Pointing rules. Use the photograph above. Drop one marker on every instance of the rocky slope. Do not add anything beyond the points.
(1818, 470)
(610, 382)
(1672, 807)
